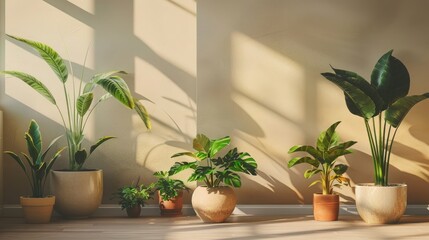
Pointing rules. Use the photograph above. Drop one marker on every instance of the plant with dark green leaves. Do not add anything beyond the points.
(80, 102)
(38, 168)
(382, 103)
(322, 159)
(168, 188)
(214, 170)
(133, 195)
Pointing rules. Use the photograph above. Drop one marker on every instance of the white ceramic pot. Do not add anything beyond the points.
(78, 193)
(381, 204)
(214, 205)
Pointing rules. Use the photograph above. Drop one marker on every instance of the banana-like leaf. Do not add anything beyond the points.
(118, 88)
(32, 150)
(218, 144)
(50, 56)
(311, 172)
(181, 166)
(340, 169)
(201, 143)
(34, 132)
(190, 154)
(33, 83)
(308, 149)
(299, 160)
(54, 158)
(391, 78)
(83, 103)
(80, 156)
(49, 147)
(27, 158)
(328, 138)
(363, 105)
(314, 183)
(342, 146)
(40, 171)
(201, 155)
(17, 159)
(142, 112)
(333, 155)
(399, 109)
(99, 142)
(89, 87)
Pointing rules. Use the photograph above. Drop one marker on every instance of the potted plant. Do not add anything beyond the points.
(170, 194)
(133, 197)
(383, 104)
(78, 190)
(37, 208)
(322, 159)
(214, 202)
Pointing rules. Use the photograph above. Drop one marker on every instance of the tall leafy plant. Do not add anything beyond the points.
(38, 168)
(212, 169)
(322, 159)
(79, 98)
(382, 103)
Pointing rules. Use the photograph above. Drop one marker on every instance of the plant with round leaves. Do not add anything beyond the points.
(168, 188)
(80, 102)
(382, 103)
(212, 169)
(38, 169)
(322, 159)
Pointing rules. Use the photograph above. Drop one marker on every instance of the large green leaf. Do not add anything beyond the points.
(53, 159)
(328, 138)
(49, 147)
(230, 178)
(399, 109)
(118, 88)
(181, 166)
(36, 136)
(17, 159)
(340, 169)
(34, 83)
(311, 172)
(32, 150)
(218, 144)
(142, 112)
(200, 173)
(89, 87)
(363, 105)
(299, 160)
(80, 156)
(83, 103)
(308, 149)
(99, 142)
(391, 78)
(201, 143)
(51, 57)
(190, 154)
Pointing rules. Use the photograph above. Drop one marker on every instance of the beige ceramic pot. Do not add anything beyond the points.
(172, 207)
(78, 193)
(37, 210)
(326, 207)
(381, 204)
(213, 205)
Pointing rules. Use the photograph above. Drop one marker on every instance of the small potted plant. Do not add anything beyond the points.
(322, 159)
(383, 104)
(214, 202)
(37, 208)
(133, 197)
(170, 194)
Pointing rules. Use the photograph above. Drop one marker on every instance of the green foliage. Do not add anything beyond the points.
(38, 168)
(168, 188)
(214, 170)
(79, 100)
(133, 195)
(323, 159)
(385, 95)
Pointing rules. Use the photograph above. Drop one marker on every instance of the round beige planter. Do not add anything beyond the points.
(37, 210)
(78, 193)
(213, 205)
(381, 204)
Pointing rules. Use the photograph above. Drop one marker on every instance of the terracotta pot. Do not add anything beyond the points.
(172, 207)
(213, 205)
(134, 212)
(78, 193)
(326, 207)
(37, 210)
(381, 204)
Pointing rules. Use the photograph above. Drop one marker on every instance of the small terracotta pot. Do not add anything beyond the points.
(172, 207)
(213, 205)
(134, 212)
(326, 207)
(37, 210)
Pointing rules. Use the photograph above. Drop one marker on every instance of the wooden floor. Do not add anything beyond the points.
(237, 227)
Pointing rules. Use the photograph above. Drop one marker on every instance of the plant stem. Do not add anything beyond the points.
(374, 156)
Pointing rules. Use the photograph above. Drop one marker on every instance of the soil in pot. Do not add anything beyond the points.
(172, 207)
(326, 207)
(37, 210)
(134, 212)
(214, 205)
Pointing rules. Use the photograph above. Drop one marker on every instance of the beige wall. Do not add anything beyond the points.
(258, 81)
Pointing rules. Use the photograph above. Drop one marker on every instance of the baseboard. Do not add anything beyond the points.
(111, 210)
